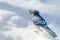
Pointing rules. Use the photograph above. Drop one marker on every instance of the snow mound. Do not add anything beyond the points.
(26, 34)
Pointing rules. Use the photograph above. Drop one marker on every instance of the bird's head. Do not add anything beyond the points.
(30, 11)
(33, 12)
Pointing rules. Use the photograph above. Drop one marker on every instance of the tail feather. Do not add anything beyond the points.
(50, 32)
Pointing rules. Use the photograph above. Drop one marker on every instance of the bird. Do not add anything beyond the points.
(39, 21)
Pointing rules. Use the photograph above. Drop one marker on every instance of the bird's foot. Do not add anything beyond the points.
(36, 31)
(41, 29)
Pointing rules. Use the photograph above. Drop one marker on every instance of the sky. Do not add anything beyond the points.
(16, 23)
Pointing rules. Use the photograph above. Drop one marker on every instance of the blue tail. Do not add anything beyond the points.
(50, 32)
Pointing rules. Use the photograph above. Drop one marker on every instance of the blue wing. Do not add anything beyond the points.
(40, 22)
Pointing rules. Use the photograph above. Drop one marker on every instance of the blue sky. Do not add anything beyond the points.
(14, 17)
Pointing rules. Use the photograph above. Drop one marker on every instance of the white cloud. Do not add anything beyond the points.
(0, 18)
(51, 7)
(4, 17)
(52, 2)
(19, 21)
(10, 19)
(4, 14)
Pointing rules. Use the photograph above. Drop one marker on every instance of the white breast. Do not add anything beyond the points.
(36, 18)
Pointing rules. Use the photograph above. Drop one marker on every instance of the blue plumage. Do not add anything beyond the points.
(40, 22)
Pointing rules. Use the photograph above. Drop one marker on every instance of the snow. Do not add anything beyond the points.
(25, 34)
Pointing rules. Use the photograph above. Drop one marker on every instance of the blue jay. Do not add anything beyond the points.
(39, 21)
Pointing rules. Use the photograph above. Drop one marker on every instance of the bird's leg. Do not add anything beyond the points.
(38, 29)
